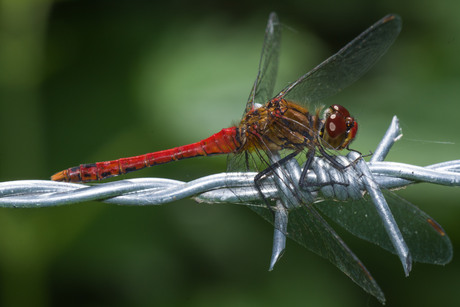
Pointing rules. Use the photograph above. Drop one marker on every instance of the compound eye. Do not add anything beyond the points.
(340, 109)
(335, 124)
(339, 127)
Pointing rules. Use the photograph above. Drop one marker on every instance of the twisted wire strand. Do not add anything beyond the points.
(323, 179)
(235, 187)
(217, 188)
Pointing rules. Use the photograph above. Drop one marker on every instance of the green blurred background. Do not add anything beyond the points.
(83, 81)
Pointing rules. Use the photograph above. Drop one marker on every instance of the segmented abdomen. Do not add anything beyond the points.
(223, 142)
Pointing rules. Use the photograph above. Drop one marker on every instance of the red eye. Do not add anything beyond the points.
(335, 125)
(339, 127)
(340, 109)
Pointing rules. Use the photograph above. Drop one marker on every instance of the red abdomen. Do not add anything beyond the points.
(223, 142)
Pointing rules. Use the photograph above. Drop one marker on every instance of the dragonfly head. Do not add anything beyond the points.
(339, 128)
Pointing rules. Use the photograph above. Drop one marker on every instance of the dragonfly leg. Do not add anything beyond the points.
(308, 165)
(331, 159)
(310, 157)
(261, 175)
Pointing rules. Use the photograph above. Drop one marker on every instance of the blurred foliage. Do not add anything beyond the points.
(82, 81)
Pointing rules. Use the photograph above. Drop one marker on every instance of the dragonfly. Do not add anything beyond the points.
(286, 123)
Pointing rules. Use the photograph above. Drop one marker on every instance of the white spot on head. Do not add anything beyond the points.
(332, 127)
(336, 108)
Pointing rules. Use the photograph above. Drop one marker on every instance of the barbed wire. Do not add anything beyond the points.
(322, 180)
(226, 187)
(217, 188)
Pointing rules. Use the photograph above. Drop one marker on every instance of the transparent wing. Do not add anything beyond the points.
(309, 229)
(427, 241)
(306, 226)
(347, 65)
(262, 90)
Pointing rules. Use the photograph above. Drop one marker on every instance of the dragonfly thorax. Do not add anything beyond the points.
(280, 124)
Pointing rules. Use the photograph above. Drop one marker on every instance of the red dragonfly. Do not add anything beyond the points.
(273, 124)
(286, 123)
